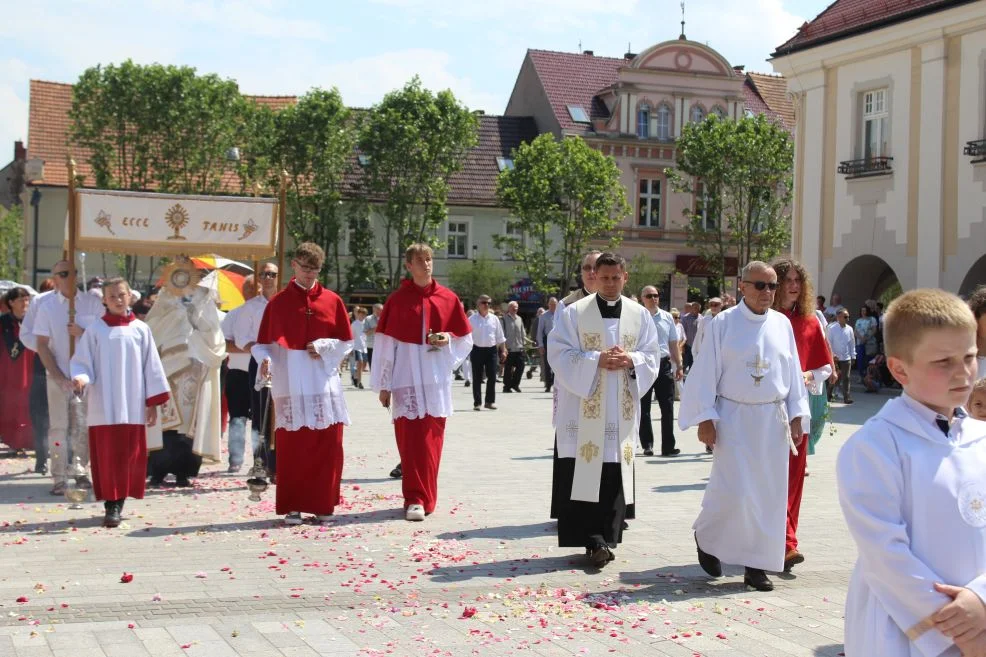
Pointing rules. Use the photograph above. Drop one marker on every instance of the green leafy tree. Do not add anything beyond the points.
(364, 271)
(563, 188)
(481, 276)
(411, 143)
(741, 175)
(11, 246)
(644, 271)
(314, 143)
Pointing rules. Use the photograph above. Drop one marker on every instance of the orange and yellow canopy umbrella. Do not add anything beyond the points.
(230, 289)
(212, 261)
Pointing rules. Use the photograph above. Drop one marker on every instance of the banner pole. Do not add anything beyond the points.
(282, 218)
(70, 256)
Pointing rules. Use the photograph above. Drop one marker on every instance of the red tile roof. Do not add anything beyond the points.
(768, 94)
(48, 140)
(575, 79)
(844, 18)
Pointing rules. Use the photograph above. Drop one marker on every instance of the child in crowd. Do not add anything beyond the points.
(117, 361)
(912, 486)
(977, 400)
(873, 380)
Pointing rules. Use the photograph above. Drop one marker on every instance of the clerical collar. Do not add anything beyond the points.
(931, 416)
(748, 312)
(118, 320)
(306, 289)
(609, 309)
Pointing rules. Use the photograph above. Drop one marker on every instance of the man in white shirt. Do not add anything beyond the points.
(53, 333)
(663, 388)
(513, 331)
(836, 305)
(245, 331)
(487, 341)
(545, 324)
(370, 330)
(238, 383)
(842, 339)
(715, 306)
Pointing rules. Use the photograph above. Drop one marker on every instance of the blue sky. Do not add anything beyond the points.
(363, 47)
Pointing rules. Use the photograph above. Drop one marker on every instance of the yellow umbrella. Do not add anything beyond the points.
(230, 289)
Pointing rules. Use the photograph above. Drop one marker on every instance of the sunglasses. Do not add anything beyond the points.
(762, 285)
(652, 296)
(62, 274)
(268, 274)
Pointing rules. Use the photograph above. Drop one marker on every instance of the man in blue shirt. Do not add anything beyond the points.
(663, 388)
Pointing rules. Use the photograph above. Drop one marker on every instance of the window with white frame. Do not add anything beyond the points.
(643, 121)
(663, 123)
(458, 239)
(697, 114)
(649, 203)
(875, 129)
(703, 207)
(516, 234)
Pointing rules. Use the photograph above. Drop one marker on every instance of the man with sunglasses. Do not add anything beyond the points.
(488, 340)
(747, 396)
(52, 332)
(663, 388)
(244, 330)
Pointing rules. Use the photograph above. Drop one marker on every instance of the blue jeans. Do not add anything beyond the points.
(237, 440)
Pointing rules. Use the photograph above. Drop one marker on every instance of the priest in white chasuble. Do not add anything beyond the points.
(605, 353)
(746, 393)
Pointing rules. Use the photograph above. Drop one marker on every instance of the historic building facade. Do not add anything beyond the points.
(890, 155)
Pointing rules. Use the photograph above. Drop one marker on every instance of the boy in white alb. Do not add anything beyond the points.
(912, 485)
(118, 362)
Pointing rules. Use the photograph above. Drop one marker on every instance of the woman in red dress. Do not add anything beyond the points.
(16, 374)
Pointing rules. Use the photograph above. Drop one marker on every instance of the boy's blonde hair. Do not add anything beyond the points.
(914, 313)
(117, 280)
(415, 250)
(980, 385)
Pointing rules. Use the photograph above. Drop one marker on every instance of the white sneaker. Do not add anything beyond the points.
(415, 512)
(293, 518)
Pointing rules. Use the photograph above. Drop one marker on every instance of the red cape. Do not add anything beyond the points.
(813, 350)
(443, 313)
(295, 316)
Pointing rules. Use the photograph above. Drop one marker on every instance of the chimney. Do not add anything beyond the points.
(629, 55)
(587, 52)
(20, 153)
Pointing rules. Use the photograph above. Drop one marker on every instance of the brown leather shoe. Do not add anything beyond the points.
(792, 559)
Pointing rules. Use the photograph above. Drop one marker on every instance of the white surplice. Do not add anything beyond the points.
(418, 377)
(122, 370)
(577, 374)
(572, 297)
(915, 503)
(747, 380)
(307, 392)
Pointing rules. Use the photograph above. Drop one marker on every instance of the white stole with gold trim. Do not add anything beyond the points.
(592, 410)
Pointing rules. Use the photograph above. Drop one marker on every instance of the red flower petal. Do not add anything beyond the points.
(126, 578)
(22, 599)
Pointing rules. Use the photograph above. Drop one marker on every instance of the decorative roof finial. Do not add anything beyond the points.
(682, 37)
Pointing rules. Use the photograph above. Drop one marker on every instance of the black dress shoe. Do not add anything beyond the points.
(516, 389)
(112, 518)
(673, 452)
(758, 580)
(507, 390)
(648, 452)
(626, 526)
(183, 482)
(601, 556)
(397, 472)
(709, 563)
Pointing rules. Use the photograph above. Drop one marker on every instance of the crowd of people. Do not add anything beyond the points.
(754, 375)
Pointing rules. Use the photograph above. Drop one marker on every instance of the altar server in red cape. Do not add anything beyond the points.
(421, 337)
(304, 336)
(796, 300)
(117, 365)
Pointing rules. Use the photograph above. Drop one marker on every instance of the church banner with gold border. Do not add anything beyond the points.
(147, 223)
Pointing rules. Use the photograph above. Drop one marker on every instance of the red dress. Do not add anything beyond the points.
(16, 375)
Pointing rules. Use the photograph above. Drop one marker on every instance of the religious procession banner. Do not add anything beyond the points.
(145, 223)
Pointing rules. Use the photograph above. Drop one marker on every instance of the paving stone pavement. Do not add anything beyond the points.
(215, 574)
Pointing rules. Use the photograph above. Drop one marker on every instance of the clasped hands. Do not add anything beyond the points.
(615, 358)
(963, 620)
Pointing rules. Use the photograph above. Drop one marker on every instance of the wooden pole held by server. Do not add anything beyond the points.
(70, 256)
(282, 220)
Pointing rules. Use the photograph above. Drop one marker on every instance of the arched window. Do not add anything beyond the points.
(697, 114)
(643, 121)
(720, 112)
(663, 123)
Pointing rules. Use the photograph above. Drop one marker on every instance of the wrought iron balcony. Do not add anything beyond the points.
(976, 149)
(867, 166)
